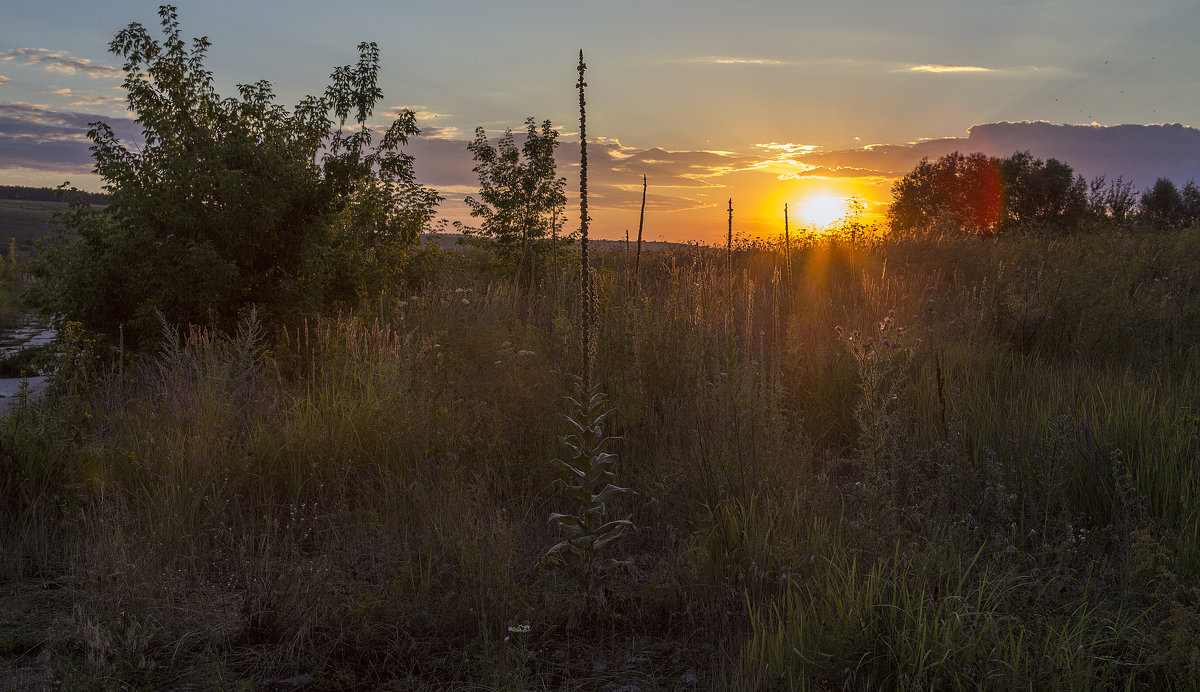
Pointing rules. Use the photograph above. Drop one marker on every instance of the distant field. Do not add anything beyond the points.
(26, 221)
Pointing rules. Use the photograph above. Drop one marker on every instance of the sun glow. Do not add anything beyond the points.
(823, 211)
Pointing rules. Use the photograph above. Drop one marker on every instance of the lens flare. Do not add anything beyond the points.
(824, 210)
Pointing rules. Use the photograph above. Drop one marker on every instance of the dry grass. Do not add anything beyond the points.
(363, 499)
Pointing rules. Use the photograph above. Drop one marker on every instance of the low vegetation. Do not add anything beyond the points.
(912, 460)
(916, 464)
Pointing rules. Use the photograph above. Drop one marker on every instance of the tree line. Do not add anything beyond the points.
(45, 194)
(984, 195)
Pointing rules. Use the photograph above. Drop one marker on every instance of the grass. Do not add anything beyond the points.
(27, 221)
(1001, 496)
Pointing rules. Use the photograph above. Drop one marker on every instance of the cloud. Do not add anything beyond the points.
(787, 148)
(942, 69)
(32, 118)
(449, 132)
(97, 100)
(421, 112)
(4, 80)
(729, 60)
(58, 61)
(36, 137)
(1019, 70)
(1141, 153)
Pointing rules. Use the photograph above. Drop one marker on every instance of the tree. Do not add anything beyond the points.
(1191, 203)
(1113, 203)
(981, 195)
(1041, 194)
(229, 202)
(519, 195)
(1163, 206)
(956, 191)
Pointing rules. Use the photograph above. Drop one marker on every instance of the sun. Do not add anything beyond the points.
(824, 210)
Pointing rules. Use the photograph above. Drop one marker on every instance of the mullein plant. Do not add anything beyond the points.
(590, 466)
(591, 487)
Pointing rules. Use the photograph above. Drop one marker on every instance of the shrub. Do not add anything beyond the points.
(228, 202)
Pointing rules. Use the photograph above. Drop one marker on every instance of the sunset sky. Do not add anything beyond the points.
(764, 102)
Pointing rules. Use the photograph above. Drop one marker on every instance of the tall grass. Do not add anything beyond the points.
(1001, 496)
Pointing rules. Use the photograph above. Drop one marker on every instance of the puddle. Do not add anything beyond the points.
(9, 386)
(27, 335)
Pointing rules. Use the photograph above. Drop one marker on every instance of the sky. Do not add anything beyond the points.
(764, 102)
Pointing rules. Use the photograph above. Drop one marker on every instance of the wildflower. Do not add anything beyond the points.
(465, 301)
(518, 629)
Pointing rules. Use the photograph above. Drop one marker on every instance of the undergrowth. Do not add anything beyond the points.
(906, 464)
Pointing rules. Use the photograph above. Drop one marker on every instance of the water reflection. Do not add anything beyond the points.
(26, 336)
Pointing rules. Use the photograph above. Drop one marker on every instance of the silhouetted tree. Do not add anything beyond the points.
(1113, 202)
(956, 192)
(981, 195)
(1191, 203)
(1041, 194)
(1162, 205)
(519, 195)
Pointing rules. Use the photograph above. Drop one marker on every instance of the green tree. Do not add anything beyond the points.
(229, 202)
(519, 196)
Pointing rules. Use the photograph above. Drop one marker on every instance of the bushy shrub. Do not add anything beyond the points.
(231, 202)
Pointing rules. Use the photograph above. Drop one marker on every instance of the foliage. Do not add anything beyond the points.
(1010, 503)
(1007, 501)
(980, 195)
(956, 191)
(1169, 208)
(1114, 203)
(591, 488)
(227, 202)
(520, 198)
(1041, 194)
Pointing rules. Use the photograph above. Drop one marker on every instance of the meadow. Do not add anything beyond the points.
(899, 463)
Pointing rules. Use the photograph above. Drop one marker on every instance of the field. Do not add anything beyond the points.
(920, 464)
(26, 221)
